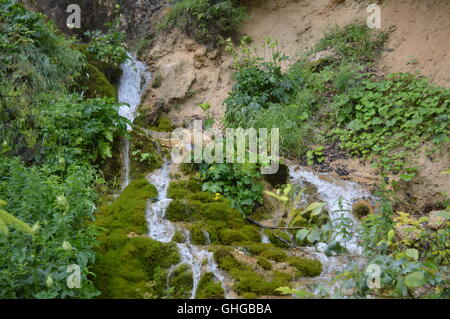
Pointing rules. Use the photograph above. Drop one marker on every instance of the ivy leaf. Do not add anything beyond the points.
(415, 280)
(314, 235)
(412, 253)
(301, 234)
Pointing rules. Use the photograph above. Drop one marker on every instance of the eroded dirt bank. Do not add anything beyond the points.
(187, 74)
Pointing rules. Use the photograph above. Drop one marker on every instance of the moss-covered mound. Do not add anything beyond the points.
(212, 219)
(180, 282)
(209, 288)
(95, 84)
(144, 156)
(128, 264)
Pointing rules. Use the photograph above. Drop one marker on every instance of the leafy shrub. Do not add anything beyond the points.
(35, 58)
(397, 112)
(60, 210)
(107, 47)
(237, 182)
(205, 20)
(73, 129)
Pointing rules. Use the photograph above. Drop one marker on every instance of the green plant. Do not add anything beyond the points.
(205, 20)
(238, 182)
(109, 47)
(397, 112)
(315, 156)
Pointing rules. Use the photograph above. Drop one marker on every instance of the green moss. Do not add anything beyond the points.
(112, 73)
(95, 84)
(307, 267)
(274, 254)
(179, 237)
(179, 211)
(246, 234)
(197, 234)
(165, 125)
(209, 288)
(127, 212)
(264, 263)
(144, 157)
(232, 237)
(249, 295)
(252, 282)
(275, 235)
(181, 281)
(226, 261)
(183, 188)
(130, 266)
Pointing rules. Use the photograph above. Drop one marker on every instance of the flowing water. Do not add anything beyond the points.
(339, 196)
(199, 260)
(131, 86)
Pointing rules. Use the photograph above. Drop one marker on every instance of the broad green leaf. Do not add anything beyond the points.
(301, 234)
(10, 220)
(314, 235)
(412, 253)
(415, 279)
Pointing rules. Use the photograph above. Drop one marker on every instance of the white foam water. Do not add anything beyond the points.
(131, 87)
(339, 196)
(162, 230)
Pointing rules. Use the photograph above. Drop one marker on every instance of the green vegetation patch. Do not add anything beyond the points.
(129, 265)
(209, 288)
(144, 156)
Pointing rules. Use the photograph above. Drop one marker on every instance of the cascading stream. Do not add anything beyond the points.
(332, 191)
(163, 230)
(132, 82)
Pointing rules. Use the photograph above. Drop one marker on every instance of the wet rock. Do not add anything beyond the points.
(436, 222)
(321, 59)
(279, 178)
(407, 232)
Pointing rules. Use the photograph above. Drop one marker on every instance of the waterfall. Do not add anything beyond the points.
(131, 86)
(162, 230)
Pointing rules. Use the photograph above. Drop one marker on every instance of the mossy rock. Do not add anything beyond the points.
(226, 261)
(112, 73)
(209, 288)
(264, 263)
(275, 235)
(144, 157)
(277, 255)
(126, 270)
(198, 236)
(306, 267)
(179, 237)
(127, 212)
(128, 265)
(362, 208)
(95, 84)
(252, 282)
(182, 281)
(183, 188)
(179, 211)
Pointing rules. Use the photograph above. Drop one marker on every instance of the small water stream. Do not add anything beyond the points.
(339, 196)
(199, 260)
(131, 86)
